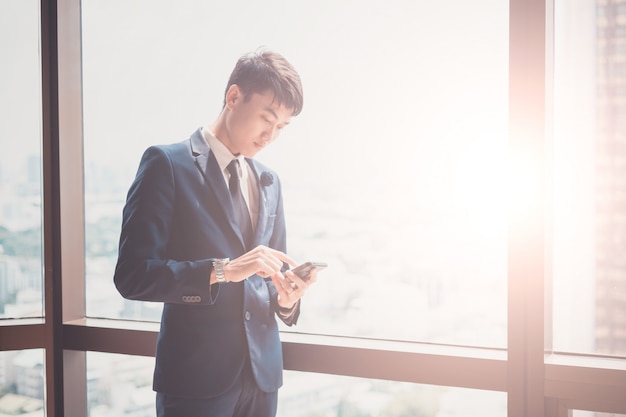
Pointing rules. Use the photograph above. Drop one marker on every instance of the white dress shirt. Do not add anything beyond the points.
(247, 179)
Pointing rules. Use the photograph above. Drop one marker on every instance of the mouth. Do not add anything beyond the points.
(260, 144)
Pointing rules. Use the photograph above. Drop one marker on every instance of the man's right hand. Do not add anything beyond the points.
(261, 260)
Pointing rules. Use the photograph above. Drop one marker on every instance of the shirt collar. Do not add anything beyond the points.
(221, 152)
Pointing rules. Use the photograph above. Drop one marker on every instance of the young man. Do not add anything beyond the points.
(204, 232)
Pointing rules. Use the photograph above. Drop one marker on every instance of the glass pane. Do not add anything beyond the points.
(119, 385)
(589, 202)
(313, 395)
(22, 383)
(393, 174)
(20, 161)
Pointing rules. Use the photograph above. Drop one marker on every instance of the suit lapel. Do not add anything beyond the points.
(207, 164)
(266, 195)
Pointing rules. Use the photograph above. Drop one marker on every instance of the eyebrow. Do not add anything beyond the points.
(270, 110)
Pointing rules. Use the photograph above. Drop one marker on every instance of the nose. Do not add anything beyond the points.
(271, 134)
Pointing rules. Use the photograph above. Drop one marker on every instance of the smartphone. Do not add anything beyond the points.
(304, 270)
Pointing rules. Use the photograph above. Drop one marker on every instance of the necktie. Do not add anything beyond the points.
(242, 215)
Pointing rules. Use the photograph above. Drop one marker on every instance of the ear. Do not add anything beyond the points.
(233, 96)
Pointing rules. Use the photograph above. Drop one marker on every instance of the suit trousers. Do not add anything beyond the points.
(243, 399)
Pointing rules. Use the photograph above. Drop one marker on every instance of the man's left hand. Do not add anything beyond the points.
(291, 287)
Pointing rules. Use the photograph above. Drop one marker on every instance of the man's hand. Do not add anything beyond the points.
(291, 287)
(261, 260)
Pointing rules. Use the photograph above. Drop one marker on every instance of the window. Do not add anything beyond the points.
(22, 384)
(20, 161)
(119, 385)
(310, 394)
(589, 191)
(523, 377)
(393, 174)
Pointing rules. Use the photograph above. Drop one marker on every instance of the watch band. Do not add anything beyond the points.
(218, 267)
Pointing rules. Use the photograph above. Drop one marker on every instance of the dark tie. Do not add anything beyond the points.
(239, 204)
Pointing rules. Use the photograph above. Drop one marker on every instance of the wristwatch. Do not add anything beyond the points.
(218, 266)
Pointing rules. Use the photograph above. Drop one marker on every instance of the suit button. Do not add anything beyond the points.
(247, 315)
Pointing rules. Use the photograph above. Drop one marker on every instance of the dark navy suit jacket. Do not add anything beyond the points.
(178, 217)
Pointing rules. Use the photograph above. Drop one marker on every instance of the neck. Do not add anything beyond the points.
(219, 130)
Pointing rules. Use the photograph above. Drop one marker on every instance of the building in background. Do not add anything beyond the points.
(610, 187)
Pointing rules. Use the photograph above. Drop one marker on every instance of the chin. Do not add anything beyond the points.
(250, 153)
(253, 151)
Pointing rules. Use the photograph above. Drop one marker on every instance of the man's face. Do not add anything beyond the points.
(253, 123)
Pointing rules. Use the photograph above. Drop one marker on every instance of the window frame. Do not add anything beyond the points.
(537, 381)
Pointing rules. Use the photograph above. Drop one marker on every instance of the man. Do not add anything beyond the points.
(203, 232)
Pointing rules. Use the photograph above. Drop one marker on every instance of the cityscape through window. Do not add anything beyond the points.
(397, 174)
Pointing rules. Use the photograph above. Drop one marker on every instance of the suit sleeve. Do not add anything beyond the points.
(279, 241)
(143, 271)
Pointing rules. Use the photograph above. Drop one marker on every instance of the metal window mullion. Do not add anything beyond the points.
(72, 198)
(63, 226)
(527, 118)
(51, 211)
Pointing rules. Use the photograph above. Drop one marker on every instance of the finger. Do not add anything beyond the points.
(313, 277)
(250, 264)
(283, 257)
(269, 266)
(299, 282)
(273, 260)
(263, 263)
(292, 288)
(266, 269)
(282, 286)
